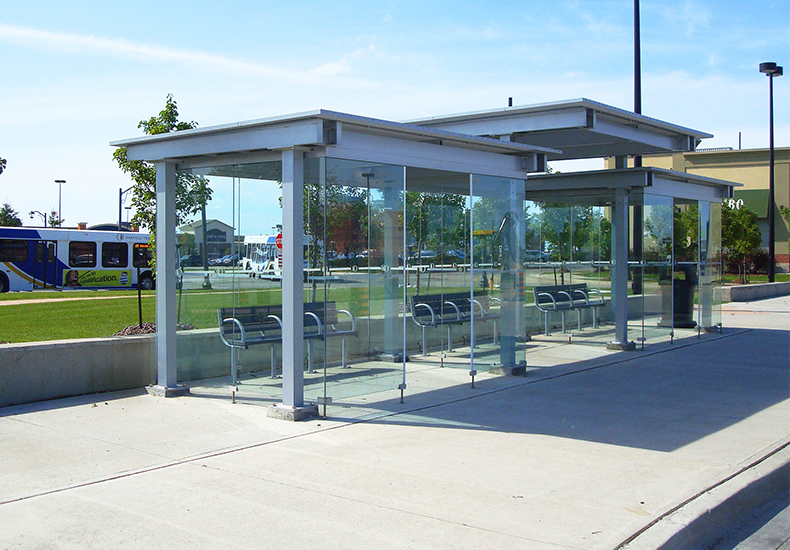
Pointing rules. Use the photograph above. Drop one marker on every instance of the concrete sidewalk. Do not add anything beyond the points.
(613, 450)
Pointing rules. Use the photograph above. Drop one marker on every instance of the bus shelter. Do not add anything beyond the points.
(409, 241)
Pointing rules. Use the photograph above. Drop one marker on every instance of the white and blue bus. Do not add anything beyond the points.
(54, 258)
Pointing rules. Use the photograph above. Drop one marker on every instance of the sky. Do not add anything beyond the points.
(80, 74)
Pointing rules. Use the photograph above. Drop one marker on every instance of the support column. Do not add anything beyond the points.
(166, 372)
(620, 232)
(293, 407)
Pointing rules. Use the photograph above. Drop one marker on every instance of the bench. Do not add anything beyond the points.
(563, 298)
(436, 310)
(321, 322)
(242, 327)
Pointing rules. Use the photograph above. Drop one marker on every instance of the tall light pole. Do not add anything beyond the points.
(60, 187)
(771, 70)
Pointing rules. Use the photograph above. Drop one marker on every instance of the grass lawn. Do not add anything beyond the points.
(62, 318)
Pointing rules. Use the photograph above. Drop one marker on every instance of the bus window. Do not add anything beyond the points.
(12, 250)
(141, 255)
(114, 255)
(82, 254)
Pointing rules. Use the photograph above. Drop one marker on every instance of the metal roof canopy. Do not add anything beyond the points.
(580, 128)
(343, 136)
(597, 188)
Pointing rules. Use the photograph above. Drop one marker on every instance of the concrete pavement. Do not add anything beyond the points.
(591, 450)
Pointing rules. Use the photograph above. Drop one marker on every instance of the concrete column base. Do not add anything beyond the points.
(391, 357)
(291, 413)
(621, 346)
(512, 370)
(164, 391)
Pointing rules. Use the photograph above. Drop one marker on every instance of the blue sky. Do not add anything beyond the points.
(77, 75)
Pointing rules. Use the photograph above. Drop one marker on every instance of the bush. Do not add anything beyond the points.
(757, 262)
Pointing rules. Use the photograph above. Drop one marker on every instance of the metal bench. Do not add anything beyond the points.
(321, 322)
(563, 298)
(436, 310)
(242, 327)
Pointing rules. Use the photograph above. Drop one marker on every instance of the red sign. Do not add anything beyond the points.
(279, 241)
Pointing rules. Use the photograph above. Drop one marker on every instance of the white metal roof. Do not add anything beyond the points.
(580, 128)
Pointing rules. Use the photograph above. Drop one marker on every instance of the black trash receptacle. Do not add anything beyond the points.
(683, 289)
(683, 283)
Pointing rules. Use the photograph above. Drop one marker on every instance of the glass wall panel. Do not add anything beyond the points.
(568, 243)
(244, 208)
(438, 261)
(656, 268)
(714, 266)
(686, 268)
(355, 281)
(498, 231)
(709, 308)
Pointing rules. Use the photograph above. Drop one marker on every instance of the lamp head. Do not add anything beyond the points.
(771, 69)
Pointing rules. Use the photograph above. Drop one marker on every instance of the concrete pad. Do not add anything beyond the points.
(588, 449)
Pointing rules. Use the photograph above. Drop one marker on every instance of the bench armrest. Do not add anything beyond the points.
(583, 295)
(353, 321)
(430, 309)
(317, 321)
(233, 343)
(279, 321)
(598, 294)
(456, 308)
(482, 309)
(553, 301)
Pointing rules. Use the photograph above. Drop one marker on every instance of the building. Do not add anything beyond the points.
(218, 237)
(749, 167)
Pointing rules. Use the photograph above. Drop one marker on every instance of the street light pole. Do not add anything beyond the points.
(771, 70)
(60, 188)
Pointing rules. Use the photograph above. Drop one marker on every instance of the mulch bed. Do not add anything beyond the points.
(149, 328)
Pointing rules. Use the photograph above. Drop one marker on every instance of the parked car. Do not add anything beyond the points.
(191, 260)
(535, 256)
(230, 259)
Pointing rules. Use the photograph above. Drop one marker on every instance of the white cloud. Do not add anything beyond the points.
(120, 48)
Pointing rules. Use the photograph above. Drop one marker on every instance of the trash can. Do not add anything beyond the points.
(684, 284)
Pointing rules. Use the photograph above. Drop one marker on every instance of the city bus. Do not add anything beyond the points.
(54, 258)
(263, 258)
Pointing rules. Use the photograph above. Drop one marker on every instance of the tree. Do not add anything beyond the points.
(740, 234)
(9, 217)
(2, 164)
(192, 191)
(53, 220)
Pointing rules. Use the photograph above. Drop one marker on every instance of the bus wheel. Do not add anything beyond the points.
(146, 282)
(3, 283)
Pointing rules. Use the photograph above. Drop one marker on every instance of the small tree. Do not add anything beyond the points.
(53, 220)
(2, 164)
(9, 217)
(740, 234)
(192, 192)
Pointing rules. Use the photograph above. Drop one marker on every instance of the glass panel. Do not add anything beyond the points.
(714, 265)
(353, 226)
(710, 266)
(437, 237)
(245, 204)
(656, 264)
(498, 232)
(686, 267)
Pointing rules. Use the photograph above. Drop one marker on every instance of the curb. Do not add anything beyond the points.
(715, 512)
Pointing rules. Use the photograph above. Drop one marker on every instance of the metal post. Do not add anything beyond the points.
(771, 70)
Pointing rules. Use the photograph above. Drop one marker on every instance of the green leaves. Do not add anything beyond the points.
(192, 192)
